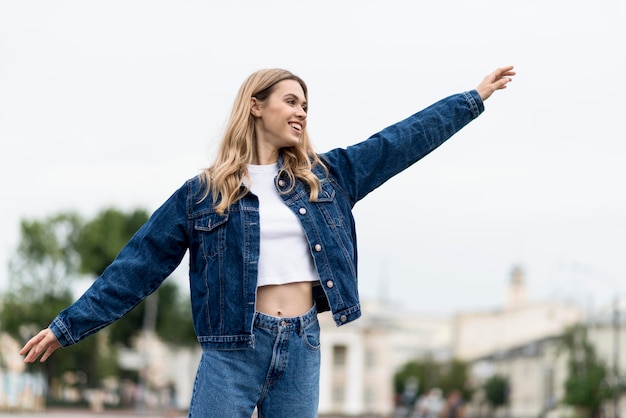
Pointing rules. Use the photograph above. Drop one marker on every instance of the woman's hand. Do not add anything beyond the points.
(42, 344)
(497, 80)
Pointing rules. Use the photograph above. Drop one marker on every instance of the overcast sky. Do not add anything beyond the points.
(117, 103)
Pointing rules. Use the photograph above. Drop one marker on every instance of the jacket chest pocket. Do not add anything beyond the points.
(328, 205)
(211, 230)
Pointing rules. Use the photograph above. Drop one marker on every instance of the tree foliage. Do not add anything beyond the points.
(455, 376)
(431, 374)
(426, 371)
(41, 277)
(497, 390)
(101, 239)
(586, 386)
(45, 258)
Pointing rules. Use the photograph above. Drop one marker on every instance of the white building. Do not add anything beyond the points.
(537, 370)
(360, 359)
(477, 334)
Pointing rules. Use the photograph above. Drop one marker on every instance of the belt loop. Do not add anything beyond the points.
(255, 317)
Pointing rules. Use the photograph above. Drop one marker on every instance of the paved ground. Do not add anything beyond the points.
(73, 413)
(77, 413)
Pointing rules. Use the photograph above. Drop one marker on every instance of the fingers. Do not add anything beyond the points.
(502, 76)
(496, 80)
(501, 83)
(32, 342)
(51, 349)
(43, 343)
(506, 71)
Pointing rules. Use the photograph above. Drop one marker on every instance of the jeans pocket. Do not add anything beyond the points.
(311, 336)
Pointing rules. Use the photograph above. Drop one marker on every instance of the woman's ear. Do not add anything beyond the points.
(255, 107)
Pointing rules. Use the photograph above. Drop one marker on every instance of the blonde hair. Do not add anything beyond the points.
(225, 178)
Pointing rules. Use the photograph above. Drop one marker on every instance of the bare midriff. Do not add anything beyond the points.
(290, 299)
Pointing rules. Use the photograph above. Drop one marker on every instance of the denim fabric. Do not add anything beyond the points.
(279, 376)
(224, 248)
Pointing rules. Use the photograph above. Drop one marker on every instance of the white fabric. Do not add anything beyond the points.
(284, 255)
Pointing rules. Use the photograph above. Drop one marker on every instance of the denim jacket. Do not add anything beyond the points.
(224, 248)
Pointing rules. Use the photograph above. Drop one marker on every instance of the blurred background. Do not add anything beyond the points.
(507, 235)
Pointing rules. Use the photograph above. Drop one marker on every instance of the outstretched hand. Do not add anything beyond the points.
(497, 80)
(42, 344)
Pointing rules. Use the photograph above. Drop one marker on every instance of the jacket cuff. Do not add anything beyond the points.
(476, 104)
(60, 331)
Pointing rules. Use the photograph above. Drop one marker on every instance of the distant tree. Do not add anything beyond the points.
(425, 371)
(41, 275)
(586, 386)
(455, 376)
(101, 239)
(430, 374)
(497, 391)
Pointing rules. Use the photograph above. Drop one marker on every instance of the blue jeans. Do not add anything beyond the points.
(279, 376)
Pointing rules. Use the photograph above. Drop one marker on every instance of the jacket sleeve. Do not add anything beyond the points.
(362, 167)
(148, 258)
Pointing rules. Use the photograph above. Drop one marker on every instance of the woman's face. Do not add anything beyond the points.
(280, 120)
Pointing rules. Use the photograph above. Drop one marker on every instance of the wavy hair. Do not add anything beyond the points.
(225, 178)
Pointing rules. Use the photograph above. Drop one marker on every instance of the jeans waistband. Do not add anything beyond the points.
(276, 323)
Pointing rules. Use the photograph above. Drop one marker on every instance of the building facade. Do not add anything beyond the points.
(477, 334)
(359, 359)
(537, 371)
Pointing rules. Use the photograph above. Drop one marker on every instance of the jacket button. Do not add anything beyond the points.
(302, 211)
(281, 183)
(318, 247)
(343, 318)
(330, 284)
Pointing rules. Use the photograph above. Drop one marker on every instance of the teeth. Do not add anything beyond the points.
(295, 126)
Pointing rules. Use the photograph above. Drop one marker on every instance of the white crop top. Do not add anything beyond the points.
(284, 255)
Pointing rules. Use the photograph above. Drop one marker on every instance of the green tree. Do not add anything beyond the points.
(586, 386)
(41, 277)
(431, 374)
(101, 239)
(426, 371)
(455, 376)
(497, 391)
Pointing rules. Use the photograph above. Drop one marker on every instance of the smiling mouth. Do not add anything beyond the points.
(296, 127)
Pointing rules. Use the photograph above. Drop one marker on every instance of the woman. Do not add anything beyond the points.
(271, 239)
